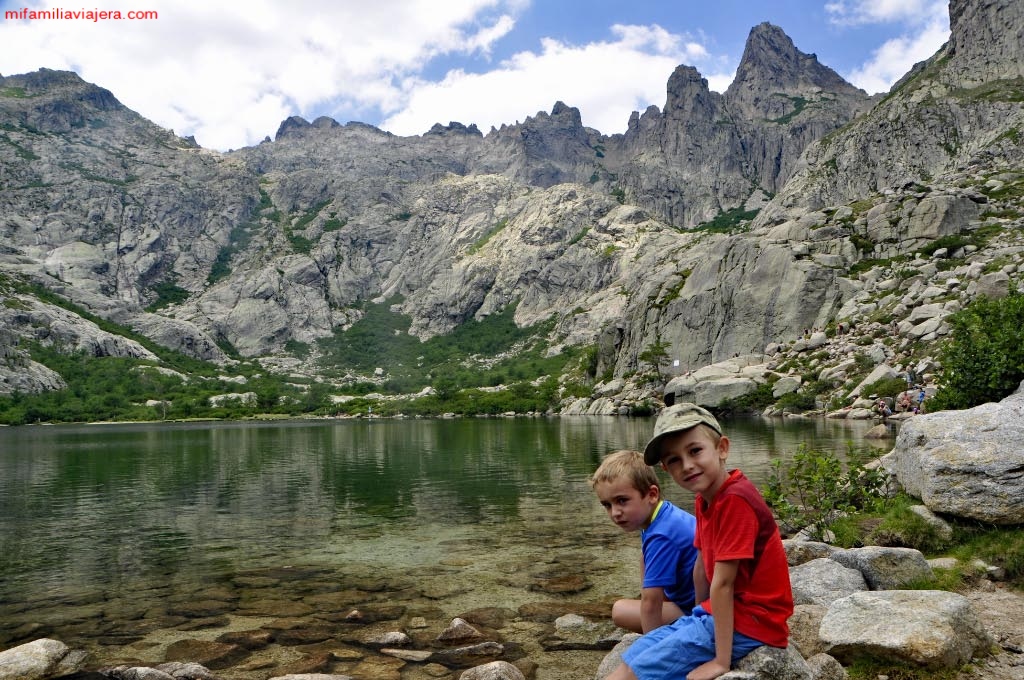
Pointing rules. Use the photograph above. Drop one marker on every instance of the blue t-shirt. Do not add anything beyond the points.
(667, 546)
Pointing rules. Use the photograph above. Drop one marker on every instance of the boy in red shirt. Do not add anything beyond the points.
(741, 576)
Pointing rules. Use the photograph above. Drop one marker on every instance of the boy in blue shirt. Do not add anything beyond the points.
(628, 490)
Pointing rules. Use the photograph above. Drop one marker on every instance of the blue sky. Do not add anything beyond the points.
(230, 72)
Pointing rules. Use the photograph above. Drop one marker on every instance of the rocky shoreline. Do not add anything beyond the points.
(306, 625)
(838, 594)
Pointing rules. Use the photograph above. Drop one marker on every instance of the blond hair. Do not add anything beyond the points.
(626, 464)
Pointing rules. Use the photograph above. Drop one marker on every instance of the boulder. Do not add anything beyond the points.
(803, 628)
(470, 655)
(215, 655)
(941, 526)
(713, 392)
(878, 373)
(39, 660)
(798, 552)
(995, 285)
(930, 628)
(965, 463)
(823, 581)
(785, 385)
(136, 673)
(885, 568)
(771, 662)
(613, 658)
(458, 631)
(186, 671)
(496, 670)
(826, 667)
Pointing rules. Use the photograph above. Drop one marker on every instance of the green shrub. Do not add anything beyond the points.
(886, 387)
(983, 360)
(755, 402)
(167, 293)
(862, 243)
(812, 491)
(334, 224)
(799, 103)
(727, 221)
(796, 401)
(951, 243)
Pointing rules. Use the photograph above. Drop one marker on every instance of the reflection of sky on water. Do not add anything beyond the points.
(118, 504)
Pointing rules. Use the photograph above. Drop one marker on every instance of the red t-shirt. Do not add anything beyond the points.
(739, 526)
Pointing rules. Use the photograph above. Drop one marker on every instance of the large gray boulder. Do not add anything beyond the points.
(965, 463)
(885, 568)
(931, 628)
(39, 660)
(823, 581)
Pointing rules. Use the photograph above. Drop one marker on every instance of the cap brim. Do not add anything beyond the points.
(652, 452)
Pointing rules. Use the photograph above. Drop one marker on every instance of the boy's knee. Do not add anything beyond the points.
(626, 614)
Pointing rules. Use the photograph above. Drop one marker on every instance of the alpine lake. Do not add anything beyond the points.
(307, 541)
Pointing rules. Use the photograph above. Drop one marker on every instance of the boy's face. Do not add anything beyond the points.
(695, 462)
(627, 507)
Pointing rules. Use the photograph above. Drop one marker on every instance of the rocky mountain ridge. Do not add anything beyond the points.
(282, 243)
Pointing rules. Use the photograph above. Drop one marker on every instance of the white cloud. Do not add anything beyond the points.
(856, 12)
(605, 80)
(229, 73)
(923, 27)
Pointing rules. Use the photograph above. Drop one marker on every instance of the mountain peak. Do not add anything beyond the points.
(772, 62)
(775, 81)
(58, 101)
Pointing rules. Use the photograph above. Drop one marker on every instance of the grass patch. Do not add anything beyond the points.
(309, 216)
(799, 104)
(872, 668)
(863, 244)
(334, 224)
(728, 221)
(167, 293)
(238, 241)
(487, 236)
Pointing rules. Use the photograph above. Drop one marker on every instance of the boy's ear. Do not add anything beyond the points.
(723, 447)
(654, 490)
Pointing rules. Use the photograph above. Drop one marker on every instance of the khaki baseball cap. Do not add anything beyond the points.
(677, 418)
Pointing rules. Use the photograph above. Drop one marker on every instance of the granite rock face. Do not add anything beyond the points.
(284, 242)
(966, 463)
(956, 110)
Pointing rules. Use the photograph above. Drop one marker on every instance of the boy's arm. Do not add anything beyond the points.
(651, 601)
(701, 589)
(723, 583)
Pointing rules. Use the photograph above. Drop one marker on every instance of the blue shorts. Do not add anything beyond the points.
(675, 649)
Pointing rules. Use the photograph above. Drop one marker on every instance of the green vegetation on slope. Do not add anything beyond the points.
(460, 367)
(983, 360)
(492, 351)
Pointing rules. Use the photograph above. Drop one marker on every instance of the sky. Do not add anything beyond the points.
(229, 73)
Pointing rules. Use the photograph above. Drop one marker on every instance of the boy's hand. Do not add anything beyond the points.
(707, 671)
